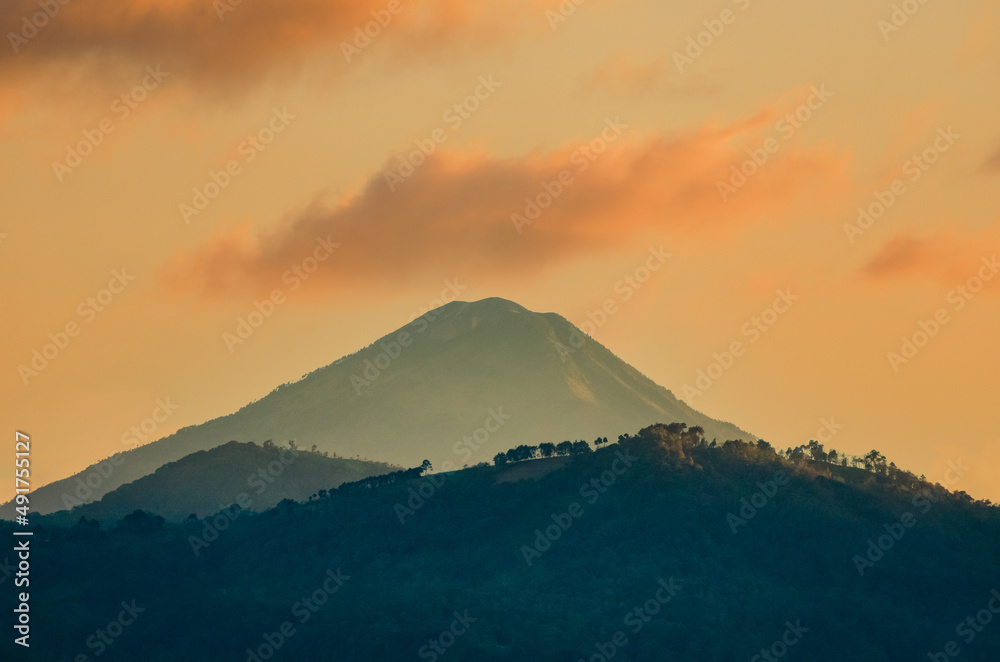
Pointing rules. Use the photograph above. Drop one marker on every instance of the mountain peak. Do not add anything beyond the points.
(453, 386)
(489, 305)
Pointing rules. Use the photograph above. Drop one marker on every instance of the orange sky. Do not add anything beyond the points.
(166, 164)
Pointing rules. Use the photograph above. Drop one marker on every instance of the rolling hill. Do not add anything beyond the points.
(205, 482)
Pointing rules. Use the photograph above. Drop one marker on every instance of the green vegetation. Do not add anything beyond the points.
(654, 510)
(206, 481)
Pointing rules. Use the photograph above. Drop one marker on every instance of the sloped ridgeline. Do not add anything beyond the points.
(417, 392)
(662, 546)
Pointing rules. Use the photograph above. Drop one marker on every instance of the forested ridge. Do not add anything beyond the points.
(662, 546)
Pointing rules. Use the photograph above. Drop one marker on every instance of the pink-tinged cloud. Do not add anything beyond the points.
(946, 258)
(475, 214)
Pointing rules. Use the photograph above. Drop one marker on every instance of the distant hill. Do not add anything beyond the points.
(661, 547)
(418, 392)
(205, 482)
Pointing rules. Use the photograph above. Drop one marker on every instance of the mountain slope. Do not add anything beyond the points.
(671, 549)
(205, 482)
(455, 373)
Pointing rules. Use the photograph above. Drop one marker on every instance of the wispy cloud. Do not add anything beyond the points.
(623, 73)
(946, 258)
(455, 213)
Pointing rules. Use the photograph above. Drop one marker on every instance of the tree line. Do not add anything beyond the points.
(525, 452)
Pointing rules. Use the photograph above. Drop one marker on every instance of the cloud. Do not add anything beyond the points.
(220, 50)
(460, 213)
(900, 255)
(992, 164)
(946, 258)
(623, 74)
